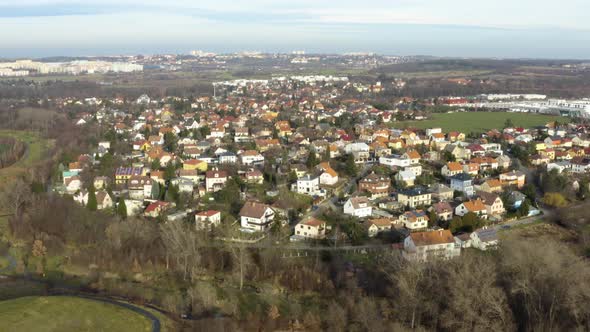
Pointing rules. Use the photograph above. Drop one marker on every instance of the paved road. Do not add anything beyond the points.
(67, 289)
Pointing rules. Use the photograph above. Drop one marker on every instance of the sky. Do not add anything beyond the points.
(460, 28)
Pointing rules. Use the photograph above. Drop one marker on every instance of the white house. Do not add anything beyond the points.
(215, 180)
(251, 157)
(207, 219)
(424, 246)
(358, 207)
(256, 216)
(329, 176)
(308, 185)
(484, 238)
(311, 228)
(395, 160)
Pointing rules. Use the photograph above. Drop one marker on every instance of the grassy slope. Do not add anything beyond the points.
(479, 121)
(36, 149)
(67, 314)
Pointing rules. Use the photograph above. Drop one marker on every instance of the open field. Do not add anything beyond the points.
(479, 121)
(62, 313)
(36, 148)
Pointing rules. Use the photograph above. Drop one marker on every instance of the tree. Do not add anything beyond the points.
(524, 208)
(350, 166)
(15, 195)
(92, 204)
(312, 160)
(508, 123)
(554, 199)
(122, 209)
(432, 218)
(170, 142)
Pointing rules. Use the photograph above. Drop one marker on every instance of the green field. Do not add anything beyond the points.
(467, 122)
(36, 149)
(61, 313)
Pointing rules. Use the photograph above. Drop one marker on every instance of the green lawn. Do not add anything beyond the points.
(61, 313)
(467, 122)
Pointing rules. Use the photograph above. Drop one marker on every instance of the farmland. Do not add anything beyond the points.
(479, 121)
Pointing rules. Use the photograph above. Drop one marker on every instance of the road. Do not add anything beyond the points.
(67, 290)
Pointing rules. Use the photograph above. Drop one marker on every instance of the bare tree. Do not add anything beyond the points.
(15, 195)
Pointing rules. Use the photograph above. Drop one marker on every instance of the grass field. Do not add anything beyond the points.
(36, 148)
(479, 121)
(61, 313)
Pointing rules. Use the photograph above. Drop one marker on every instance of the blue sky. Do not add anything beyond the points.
(470, 28)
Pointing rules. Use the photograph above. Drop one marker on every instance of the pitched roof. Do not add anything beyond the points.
(475, 205)
(254, 210)
(432, 238)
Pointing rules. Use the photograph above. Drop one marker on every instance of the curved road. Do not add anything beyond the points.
(156, 325)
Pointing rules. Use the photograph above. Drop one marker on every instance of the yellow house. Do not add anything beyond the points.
(540, 146)
(195, 164)
(549, 153)
(396, 144)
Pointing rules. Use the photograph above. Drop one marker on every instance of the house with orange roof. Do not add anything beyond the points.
(476, 206)
(310, 228)
(424, 246)
(452, 168)
(491, 186)
(329, 176)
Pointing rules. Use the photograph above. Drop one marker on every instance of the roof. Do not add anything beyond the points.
(381, 222)
(313, 222)
(216, 174)
(432, 238)
(208, 213)
(357, 201)
(454, 166)
(254, 210)
(475, 205)
(487, 234)
(487, 198)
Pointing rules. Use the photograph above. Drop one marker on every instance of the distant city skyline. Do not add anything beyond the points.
(457, 28)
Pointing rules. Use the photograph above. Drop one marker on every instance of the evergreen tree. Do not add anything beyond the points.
(312, 160)
(122, 209)
(350, 166)
(92, 204)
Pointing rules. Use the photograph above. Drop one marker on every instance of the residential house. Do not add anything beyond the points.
(463, 183)
(514, 178)
(379, 225)
(123, 174)
(256, 216)
(424, 246)
(329, 176)
(451, 169)
(311, 228)
(443, 211)
(414, 197)
(215, 180)
(251, 157)
(207, 219)
(406, 176)
(414, 220)
(156, 208)
(491, 186)
(376, 185)
(484, 238)
(254, 176)
(475, 206)
(441, 192)
(493, 203)
(358, 207)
